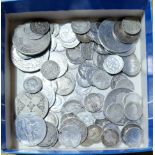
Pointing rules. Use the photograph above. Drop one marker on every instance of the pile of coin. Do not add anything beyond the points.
(68, 69)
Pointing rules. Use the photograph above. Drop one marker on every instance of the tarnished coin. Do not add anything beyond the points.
(51, 136)
(113, 64)
(80, 27)
(61, 60)
(50, 70)
(132, 135)
(66, 84)
(69, 136)
(33, 84)
(93, 102)
(132, 65)
(31, 103)
(84, 38)
(39, 27)
(86, 117)
(30, 129)
(131, 25)
(31, 65)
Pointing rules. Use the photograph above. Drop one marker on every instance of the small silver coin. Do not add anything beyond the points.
(39, 27)
(69, 136)
(84, 38)
(131, 25)
(113, 64)
(132, 65)
(50, 70)
(51, 136)
(30, 129)
(66, 84)
(132, 135)
(32, 84)
(86, 117)
(31, 103)
(80, 27)
(93, 102)
(31, 65)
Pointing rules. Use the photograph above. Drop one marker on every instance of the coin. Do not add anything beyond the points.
(33, 84)
(50, 70)
(93, 102)
(113, 64)
(80, 27)
(86, 117)
(84, 38)
(39, 27)
(69, 136)
(30, 129)
(31, 103)
(132, 65)
(31, 65)
(66, 84)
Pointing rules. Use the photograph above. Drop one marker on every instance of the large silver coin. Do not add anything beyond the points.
(93, 102)
(51, 136)
(61, 60)
(31, 65)
(32, 84)
(132, 66)
(69, 136)
(81, 27)
(30, 129)
(107, 38)
(113, 64)
(31, 103)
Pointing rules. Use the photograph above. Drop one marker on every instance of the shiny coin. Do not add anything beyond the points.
(132, 65)
(33, 84)
(51, 136)
(66, 84)
(50, 70)
(87, 118)
(31, 65)
(30, 129)
(31, 103)
(93, 102)
(113, 64)
(132, 135)
(61, 60)
(39, 27)
(84, 38)
(81, 27)
(69, 136)
(131, 25)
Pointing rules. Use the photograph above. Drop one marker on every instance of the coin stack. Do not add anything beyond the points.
(68, 68)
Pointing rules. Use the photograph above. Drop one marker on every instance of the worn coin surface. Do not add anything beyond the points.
(30, 129)
(31, 103)
(32, 84)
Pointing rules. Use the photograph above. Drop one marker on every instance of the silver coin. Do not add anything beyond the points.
(61, 60)
(53, 43)
(31, 65)
(93, 102)
(113, 64)
(22, 56)
(131, 25)
(84, 38)
(56, 29)
(132, 65)
(51, 136)
(75, 55)
(39, 27)
(132, 135)
(72, 106)
(52, 118)
(30, 129)
(107, 39)
(31, 103)
(86, 117)
(33, 84)
(50, 70)
(80, 27)
(69, 136)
